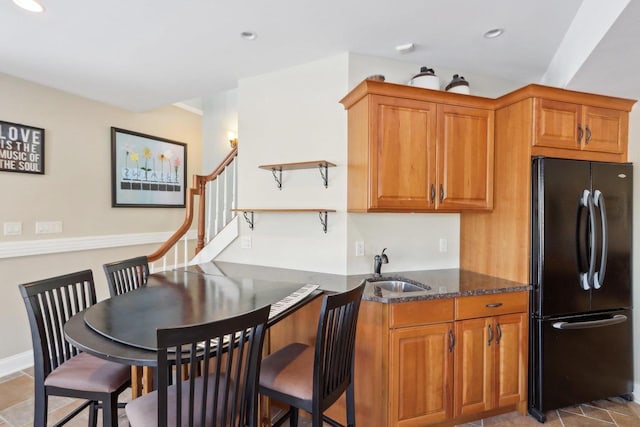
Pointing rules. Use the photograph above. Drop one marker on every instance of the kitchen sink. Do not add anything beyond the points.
(397, 286)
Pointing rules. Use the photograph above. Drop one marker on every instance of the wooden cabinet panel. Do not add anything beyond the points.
(572, 126)
(473, 367)
(421, 371)
(465, 157)
(510, 359)
(403, 153)
(491, 305)
(605, 130)
(417, 150)
(556, 124)
(420, 312)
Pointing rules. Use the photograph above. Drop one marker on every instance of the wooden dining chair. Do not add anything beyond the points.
(312, 378)
(127, 275)
(59, 368)
(229, 352)
(124, 276)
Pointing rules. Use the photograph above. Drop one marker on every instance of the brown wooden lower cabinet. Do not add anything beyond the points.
(431, 362)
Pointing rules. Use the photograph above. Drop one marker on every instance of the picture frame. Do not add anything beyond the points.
(147, 171)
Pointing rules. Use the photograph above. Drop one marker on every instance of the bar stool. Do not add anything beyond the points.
(313, 378)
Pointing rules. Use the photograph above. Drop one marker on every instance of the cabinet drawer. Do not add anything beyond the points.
(420, 312)
(490, 305)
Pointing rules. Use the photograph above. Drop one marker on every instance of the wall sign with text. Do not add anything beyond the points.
(21, 148)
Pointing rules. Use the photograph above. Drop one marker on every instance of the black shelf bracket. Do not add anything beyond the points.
(323, 220)
(277, 175)
(246, 218)
(324, 173)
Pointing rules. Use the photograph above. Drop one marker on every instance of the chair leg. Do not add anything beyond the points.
(351, 406)
(110, 410)
(316, 419)
(93, 414)
(40, 407)
(293, 421)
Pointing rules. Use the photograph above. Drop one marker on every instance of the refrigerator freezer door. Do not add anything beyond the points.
(560, 236)
(583, 358)
(614, 181)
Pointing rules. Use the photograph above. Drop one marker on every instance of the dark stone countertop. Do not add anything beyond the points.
(447, 283)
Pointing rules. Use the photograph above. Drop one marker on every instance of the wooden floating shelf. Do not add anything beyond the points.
(277, 168)
(321, 212)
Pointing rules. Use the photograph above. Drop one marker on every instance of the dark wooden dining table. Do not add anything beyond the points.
(123, 328)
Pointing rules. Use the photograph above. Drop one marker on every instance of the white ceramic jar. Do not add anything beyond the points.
(426, 79)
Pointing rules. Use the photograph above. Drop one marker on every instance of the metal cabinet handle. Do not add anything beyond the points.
(490, 334)
(586, 141)
(441, 193)
(580, 133)
(433, 193)
(494, 305)
(499, 330)
(452, 340)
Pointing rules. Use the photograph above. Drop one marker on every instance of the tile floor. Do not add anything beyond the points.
(16, 410)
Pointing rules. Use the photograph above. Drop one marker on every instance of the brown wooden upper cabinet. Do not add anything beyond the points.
(418, 150)
(580, 127)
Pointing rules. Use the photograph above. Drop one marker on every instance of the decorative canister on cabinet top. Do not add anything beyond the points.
(458, 85)
(426, 78)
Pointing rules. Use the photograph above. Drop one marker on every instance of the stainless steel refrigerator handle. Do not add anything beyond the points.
(586, 279)
(598, 277)
(618, 318)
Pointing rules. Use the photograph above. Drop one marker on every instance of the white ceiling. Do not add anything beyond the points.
(143, 54)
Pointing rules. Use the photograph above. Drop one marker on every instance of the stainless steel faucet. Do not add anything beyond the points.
(378, 260)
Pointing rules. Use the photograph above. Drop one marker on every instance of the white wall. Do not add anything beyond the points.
(634, 157)
(220, 118)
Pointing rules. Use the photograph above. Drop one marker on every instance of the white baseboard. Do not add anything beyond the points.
(14, 363)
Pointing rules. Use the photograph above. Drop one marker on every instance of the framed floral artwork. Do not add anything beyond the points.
(147, 171)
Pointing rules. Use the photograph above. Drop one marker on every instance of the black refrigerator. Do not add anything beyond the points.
(581, 345)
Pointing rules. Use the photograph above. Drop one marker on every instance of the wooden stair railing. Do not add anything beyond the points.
(198, 188)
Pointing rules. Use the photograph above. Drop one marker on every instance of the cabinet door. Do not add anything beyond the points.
(420, 374)
(557, 124)
(510, 359)
(465, 158)
(605, 130)
(473, 366)
(402, 153)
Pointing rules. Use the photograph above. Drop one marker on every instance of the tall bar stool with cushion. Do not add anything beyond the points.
(313, 378)
(127, 275)
(124, 276)
(59, 368)
(226, 395)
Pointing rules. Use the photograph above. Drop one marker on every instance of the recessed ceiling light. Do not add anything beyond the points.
(492, 34)
(248, 35)
(30, 5)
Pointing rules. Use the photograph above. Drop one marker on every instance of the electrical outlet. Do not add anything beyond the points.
(443, 245)
(359, 247)
(245, 242)
(12, 228)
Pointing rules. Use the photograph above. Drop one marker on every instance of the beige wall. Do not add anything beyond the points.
(75, 189)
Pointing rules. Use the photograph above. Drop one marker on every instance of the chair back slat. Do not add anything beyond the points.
(229, 352)
(335, 346)
(127, 275)
(50, 304)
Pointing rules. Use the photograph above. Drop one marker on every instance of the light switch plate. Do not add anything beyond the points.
(48, 227)
(12, 228)
(245, 242)
(359, 247)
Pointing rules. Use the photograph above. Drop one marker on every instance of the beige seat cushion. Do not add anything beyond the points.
(89, 373)
(289, 371)
(143, 411)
